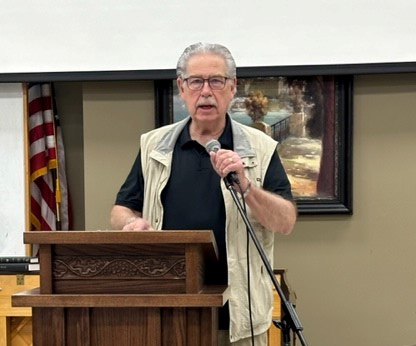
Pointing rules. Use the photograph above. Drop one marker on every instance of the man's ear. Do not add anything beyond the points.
(179, 82)
(234, 86)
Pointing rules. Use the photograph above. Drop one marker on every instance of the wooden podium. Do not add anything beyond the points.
(101, 288)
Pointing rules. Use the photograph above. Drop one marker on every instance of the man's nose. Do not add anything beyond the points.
(206, 89)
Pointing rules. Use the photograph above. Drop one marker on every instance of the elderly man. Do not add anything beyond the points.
(176, 184)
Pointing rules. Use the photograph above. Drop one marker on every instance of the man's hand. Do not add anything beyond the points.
(137, 224)
(227, 161)
(126, 219)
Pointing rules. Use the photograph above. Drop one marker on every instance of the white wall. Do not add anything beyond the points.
(12, 170)
(86, 35)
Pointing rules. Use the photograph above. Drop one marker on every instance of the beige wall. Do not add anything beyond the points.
(115, 114)
(69, 101)
(354, 276)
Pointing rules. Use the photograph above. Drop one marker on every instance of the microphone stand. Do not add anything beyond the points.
(290, 318)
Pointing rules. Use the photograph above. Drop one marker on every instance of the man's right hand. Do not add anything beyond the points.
(126, 219)
(137, 224)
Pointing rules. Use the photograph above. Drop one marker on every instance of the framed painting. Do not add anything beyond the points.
(311, 119)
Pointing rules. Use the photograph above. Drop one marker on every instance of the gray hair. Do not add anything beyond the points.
(204, 48)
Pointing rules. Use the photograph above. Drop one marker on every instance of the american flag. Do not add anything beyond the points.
(47, 165)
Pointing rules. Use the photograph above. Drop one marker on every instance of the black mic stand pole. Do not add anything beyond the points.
(290, 316)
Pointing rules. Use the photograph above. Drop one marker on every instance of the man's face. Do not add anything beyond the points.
(207, 104)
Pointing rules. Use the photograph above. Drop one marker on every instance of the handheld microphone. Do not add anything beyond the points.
(214, 145)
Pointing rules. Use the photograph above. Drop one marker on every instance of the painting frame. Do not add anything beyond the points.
(341, 201)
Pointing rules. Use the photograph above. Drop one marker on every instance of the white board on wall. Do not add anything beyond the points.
(113, 35)
(12, 172)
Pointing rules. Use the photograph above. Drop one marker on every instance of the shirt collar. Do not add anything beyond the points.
(226, 138)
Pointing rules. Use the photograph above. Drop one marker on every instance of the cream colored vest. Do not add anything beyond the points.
(256, 149)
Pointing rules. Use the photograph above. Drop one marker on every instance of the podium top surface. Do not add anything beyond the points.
(205, 238)
(119, 237)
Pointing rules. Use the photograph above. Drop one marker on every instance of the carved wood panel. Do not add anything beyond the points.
(81, 267)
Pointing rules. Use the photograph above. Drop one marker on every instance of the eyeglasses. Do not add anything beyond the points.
(215, 82)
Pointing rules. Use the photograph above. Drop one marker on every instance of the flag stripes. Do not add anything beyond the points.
(45, 173)
(43, 206)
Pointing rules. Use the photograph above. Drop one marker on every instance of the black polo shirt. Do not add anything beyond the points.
(192, 198)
